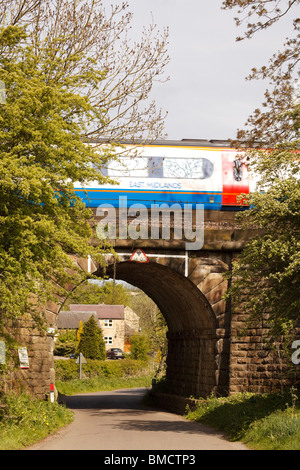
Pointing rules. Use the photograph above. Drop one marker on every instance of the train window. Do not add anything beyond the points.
(199, 168)
(237, 170)
(126, 166)
(155, 167)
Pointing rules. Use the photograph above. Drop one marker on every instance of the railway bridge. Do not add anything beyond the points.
(205, 353)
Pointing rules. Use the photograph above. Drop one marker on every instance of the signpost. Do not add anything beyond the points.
(80, 360)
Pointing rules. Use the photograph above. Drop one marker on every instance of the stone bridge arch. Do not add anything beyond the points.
(192, 304)
(206, 352)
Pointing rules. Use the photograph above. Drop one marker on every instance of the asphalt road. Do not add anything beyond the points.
(119, 421)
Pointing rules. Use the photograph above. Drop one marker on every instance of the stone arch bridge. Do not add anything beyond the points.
(205, 353)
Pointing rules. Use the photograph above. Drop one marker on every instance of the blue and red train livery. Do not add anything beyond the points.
(182, 172)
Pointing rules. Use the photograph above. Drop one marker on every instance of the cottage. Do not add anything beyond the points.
(117, 323)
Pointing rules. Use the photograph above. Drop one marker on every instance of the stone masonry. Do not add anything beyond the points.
(205, 352)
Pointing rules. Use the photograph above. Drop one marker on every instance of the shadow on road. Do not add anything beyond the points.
(126, 411)
(118, 399)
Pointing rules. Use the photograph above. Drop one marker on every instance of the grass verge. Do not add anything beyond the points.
(25, 420)
(262, 422)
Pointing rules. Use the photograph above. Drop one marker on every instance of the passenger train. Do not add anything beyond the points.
(182, 172)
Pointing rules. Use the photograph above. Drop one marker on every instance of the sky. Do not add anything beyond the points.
(207, 96)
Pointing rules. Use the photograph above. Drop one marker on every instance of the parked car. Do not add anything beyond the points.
(115, 353)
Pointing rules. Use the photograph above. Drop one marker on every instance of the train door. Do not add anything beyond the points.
(235, 179)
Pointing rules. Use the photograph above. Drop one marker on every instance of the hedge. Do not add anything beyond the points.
(67, 369)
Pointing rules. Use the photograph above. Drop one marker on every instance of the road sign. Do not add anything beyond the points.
(139, 256)
(23, 358)
(81, 359)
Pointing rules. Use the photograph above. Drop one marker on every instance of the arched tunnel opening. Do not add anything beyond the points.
(192, 368)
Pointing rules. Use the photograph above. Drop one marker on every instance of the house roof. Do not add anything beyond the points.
(102, 311)
(80, 312)
(70, 320)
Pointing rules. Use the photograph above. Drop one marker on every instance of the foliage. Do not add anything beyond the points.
(265, 422)
(109, 293)
(266, 274)
(79, 333)
(65, 344)
(68, 369)
(41, 154)
(282, 71)
(91, 343)
(139, 346)
(71, 75)
(27, 420)
(86, 45)
(97, 384)
(152, 324)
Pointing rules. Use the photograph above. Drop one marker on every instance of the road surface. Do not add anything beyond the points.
(118, 420)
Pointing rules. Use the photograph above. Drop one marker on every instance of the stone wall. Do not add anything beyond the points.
(37, 378)
(254, 366)
(191, 366)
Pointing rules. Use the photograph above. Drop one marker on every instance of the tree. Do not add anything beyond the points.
(71, 75)
(267, 274)
(65, 344)
(273, 124)
(109, 293)
(79, 332)
(152, 322)
(91, 343)
(139, 347)
(83, 45)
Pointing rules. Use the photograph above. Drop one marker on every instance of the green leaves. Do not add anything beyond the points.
(70, 75)
(267, 273)
(91, 343)
(42, 154)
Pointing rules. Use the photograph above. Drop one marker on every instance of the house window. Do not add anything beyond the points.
(108, 339)
(108, 323)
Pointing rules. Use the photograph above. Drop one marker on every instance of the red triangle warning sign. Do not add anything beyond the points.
(139, 256)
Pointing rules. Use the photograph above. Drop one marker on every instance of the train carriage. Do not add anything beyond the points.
(184, 172)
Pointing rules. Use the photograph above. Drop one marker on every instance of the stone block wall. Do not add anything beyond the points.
(37, 378)
(255, 367)
(195, 366)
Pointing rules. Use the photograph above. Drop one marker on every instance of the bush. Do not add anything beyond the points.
(66, 369)
(139, 347)
(66, 343)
